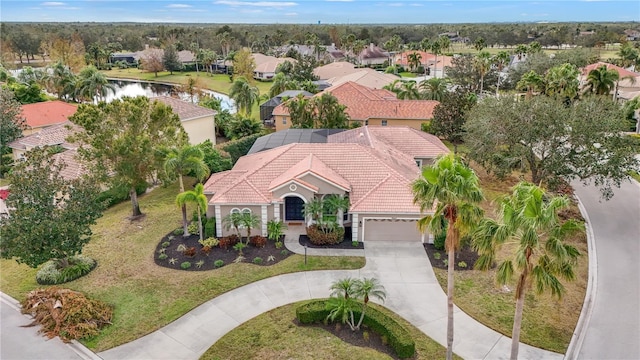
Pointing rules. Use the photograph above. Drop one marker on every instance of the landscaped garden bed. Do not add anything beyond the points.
(346, 243)
(187, 253)
(465, 257)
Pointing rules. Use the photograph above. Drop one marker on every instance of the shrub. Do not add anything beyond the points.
(51, 273)
(228, 241)
(258, 241)
(166, 244)
(199, 263)
(319, 237)
(462, 264)
(279, 244)
(284, 252)
(194, 228)
(178, 231)
(118, 194)
(218, 263)
(210, 228)
(78, 318)
(210, 242)
(185, 265)
(437, 256)
(257, 260)
(354, 243)
(439, 239)
(162, 256)
(206, 250)
(398, 337)
(240, 147)
(190, 251)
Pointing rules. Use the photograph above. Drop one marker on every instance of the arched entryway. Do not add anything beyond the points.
(293, 208)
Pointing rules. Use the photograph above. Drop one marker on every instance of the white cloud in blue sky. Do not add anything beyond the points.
(324, 11)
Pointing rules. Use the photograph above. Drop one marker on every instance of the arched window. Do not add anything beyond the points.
(246, 211)
(235, 211)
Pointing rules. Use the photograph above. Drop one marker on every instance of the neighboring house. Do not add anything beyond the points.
(198, 122)
(373, 55)
(368, 166)
(366, 77)
(55, 135)
(330, 53)
(632, 35)
(266, 66)
(266, 108)
(427, 60)
(43, 114)
(336, 69)
(186, 57)
(628, 85)
(367, 106)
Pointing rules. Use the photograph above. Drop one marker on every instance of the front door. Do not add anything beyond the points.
(293, 208)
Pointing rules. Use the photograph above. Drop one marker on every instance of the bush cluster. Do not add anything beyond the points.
(258, 241)
(439, 240)
(51, 273)
(78, 318)
(399, 338)
(118, 194)
(210, 228)
(319, 237)
(228, 241)
(194, 228)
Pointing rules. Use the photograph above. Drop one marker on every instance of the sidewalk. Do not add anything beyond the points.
(403, 268)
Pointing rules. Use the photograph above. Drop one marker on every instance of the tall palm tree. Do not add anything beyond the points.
(244, 95)
(436, 49)
(452, 187)
(483, 65)
(413, 60)
(358, 46)
(92, 84)
(562, 81)
(183, 161)
(500, 60)
(434, 88)
(531, 82)
(408, 91)
(197, 197)
(601, 80)
(62, 80)
(528, 217)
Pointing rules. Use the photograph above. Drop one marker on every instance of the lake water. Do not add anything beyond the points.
(149, 89)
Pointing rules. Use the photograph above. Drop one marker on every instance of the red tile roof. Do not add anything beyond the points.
(364, 103)
(621, 71)
(47, 113)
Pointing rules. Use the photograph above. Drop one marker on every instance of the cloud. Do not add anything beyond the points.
(256, 3)
(53, 3)
(291, 14)
(396, 4)
(179, 6)
(416, 4)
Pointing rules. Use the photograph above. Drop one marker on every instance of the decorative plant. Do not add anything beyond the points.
(258, 241)
(257, 260)
(218, 263)
(173, 261)
(162, 256)
(271, 258)
(181, 248)
(199, 263)
(233, 220)
(210, 242)
(238, 247)
(185, 265)
(249, 221)
(166, 244)
(275, 230)
(190, 252)
(346, 296)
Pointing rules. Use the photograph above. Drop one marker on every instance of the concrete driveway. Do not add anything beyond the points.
(612, 322)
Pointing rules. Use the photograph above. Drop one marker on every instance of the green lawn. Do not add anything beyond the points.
(4, 182)
(407, 74)
(145, 296)
(273, 335)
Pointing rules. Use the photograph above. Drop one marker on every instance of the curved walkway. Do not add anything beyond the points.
(611, 316)
(402, 267)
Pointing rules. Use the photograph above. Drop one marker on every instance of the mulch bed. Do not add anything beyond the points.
(356, 338)
(345, 244)
(466, 254)
(202, 262)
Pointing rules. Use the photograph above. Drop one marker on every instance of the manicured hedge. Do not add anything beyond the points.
(210, 228)
(398, 337)
(118, 194)
(319, 237)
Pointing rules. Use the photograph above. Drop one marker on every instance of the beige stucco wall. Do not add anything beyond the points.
(284, 190)
(18, 154)
(278, 122)
(412, 123)
(200, 129)
(29, 131)
(323, 186)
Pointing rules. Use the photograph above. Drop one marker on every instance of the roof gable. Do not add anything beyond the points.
(311, 165)
(184, 109)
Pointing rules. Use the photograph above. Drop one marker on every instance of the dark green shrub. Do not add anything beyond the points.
(178, 231)
(240, 147)
(210, 228)
(118, 194)
(218, 263)
(397, 336)
(163, 256)
(52, 272)
(257, 260)
(185, 265)
(439, 240)
(166, 244)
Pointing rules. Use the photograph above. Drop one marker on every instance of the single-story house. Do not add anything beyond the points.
(627, 86)
(266, 108)
(335, 69)
(373, 55)
(198, 122)
(292, 136)
(366, 77)
(43, 114)
(427, 60)
(368, 106)
(374, 168)
(266, 66)
(55, 135)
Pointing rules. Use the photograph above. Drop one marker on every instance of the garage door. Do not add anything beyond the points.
(388, 229)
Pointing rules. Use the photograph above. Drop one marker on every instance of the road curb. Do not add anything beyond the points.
(592, 281)
(74, 345)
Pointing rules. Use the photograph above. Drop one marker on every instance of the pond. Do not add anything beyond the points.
(151, 89)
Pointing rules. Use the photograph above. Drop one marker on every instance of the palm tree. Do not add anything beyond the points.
(601, 80)
(93, 84)
(365, 289)
(281, 83)
(436, 49)
(62, 80)
(197, 197)
(443, 45)
(188, 159)
(531, 82)
(529, 217)
(249, 221)
(482, 65)
(357, 47)
(500, 60)
(408, 91)
(520, 51)
(453, 188)
(313, 209)
(434, 88)
(413, 60)
(233, 220)
(244, 95)
(479, 44)
(336, 203)
(562, 81)
(343, 287)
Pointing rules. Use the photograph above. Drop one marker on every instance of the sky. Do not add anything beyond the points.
(323, 11)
